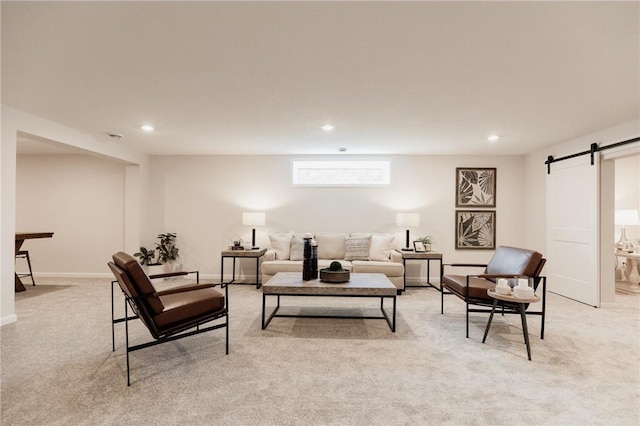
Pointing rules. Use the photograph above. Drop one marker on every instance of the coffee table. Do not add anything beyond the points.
(360, 285)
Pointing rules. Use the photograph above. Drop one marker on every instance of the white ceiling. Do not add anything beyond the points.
(262, 77)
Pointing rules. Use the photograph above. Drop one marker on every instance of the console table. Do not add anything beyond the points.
(421, 256)
(242, 254)
(20, 238)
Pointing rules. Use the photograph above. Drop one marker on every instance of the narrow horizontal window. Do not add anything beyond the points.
(341, 172)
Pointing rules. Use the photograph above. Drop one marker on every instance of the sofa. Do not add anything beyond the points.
(357, 252)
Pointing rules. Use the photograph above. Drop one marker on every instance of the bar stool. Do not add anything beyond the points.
(24, 254)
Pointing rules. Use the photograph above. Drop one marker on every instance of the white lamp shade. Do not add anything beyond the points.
(627, 217)
(253, 218)
(408, 220)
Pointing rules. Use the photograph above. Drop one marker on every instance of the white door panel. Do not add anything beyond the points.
(573, 262)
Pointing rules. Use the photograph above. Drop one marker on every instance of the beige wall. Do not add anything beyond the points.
(79, 198)
(15, 121)
(202, 199)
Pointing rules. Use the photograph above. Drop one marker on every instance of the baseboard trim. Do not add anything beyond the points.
(73, 275)
(8, 319)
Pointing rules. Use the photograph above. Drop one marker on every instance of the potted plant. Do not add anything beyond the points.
(426, 241)
(167, 254)
(334, 273)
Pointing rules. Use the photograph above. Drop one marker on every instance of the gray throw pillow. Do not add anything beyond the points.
(357, 248)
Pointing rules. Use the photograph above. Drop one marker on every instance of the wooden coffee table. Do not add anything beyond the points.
(360, 285)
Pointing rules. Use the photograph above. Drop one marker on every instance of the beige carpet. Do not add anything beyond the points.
(58, 367)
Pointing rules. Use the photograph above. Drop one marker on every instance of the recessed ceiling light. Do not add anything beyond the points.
(342, 149)
(147, 128)
(493, 138)
(328, 127)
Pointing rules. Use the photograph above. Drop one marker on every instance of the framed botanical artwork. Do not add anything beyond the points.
(475, 229)
(475, 187)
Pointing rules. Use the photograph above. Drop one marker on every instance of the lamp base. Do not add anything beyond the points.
(255, 248)
(406, 249)
(622, 242)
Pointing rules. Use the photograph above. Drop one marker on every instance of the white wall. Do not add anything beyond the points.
(78, 197)
(202, 198)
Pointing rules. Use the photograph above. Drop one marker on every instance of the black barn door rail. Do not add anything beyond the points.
(592, 150)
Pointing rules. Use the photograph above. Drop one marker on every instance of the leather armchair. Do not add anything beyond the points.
(507, 262)
(168, 314)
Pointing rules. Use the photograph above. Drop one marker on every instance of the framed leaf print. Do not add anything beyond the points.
(475, 229)
(475, 187)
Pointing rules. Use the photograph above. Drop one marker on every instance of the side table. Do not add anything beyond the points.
(242, 254)
(520, 302)
(421, 256)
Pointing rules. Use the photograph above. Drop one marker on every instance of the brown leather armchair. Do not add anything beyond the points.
(168, 314)
(507, 262)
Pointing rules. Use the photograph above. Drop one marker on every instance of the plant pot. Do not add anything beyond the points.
(172, 266)
(427, 247)
(329, 276)
(154, 269)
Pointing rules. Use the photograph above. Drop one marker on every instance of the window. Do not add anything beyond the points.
(341, 172)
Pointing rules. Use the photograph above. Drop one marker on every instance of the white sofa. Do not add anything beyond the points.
(357, 252)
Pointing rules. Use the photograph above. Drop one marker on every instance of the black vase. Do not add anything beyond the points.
(306, 263)
(314, 261)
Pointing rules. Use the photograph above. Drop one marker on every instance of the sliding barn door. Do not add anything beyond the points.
(573, 259)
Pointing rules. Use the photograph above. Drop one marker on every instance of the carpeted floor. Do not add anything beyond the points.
(58, 367)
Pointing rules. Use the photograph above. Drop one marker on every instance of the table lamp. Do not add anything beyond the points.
(626, 217)
(407, 220)
(253, 219)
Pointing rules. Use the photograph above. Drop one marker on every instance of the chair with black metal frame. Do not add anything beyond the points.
(507, 262)
(168, 314)
(24, 254)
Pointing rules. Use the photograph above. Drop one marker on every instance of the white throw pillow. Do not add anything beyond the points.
(331, 246)
(381, 246)
(297, 248)
(281, 244)
(357, 248)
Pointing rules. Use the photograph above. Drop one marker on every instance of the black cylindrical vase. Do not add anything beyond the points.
(306, 263)
(314, 260)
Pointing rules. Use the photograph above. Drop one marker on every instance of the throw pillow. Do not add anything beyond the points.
(381, 246)
(357, 248)
(281, 244)
(297, 248)
(331, 246)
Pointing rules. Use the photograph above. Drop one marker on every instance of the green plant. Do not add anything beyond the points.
(167, 250)
(335, 266)
(426, 240)
(146, 256)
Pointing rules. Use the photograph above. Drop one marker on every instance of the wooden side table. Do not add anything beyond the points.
(421, 256)
(242, 254)
(520, 302)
